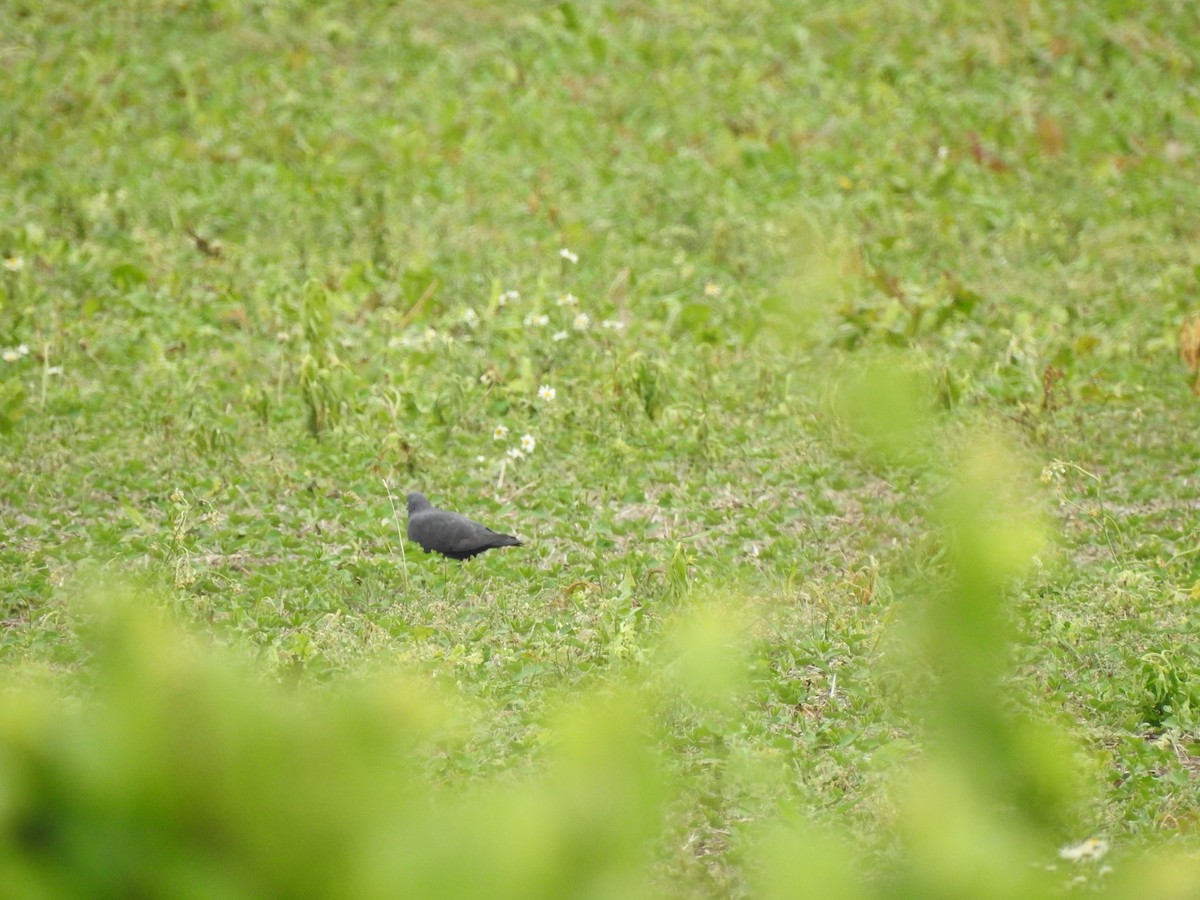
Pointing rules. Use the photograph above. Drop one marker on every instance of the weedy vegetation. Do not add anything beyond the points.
(825, 357)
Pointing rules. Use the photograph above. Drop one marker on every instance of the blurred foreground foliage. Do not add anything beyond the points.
(178, 772)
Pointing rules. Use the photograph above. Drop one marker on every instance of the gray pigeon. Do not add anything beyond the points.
(447, 533)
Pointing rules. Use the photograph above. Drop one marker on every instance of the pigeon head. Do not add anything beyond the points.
(417, 502)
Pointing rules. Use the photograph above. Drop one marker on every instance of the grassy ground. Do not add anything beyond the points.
(266, 263)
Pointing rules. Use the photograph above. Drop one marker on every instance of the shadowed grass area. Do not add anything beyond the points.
(657, 289)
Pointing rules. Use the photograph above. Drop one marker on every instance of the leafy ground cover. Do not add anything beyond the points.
(724, 310)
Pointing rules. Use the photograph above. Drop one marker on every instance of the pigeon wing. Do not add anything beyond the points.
(461, 535)
(442, 531)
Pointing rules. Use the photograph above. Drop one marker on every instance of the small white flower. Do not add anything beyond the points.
(23, 349)
(1053, 472)
(547, 393)
(613, 324)
(471, 317)
(10, 354)
(568, 255)
(480, 459)
(514, 453)
(508, 297)
(528, 443)
(1091, 849)
(582, 321)
(500, 432)
(567, 299)
(712, 289)
(559, 336)
(14, 264)
(485, 378)
(535, 321)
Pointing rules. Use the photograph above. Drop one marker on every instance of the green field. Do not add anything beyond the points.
(823, 355)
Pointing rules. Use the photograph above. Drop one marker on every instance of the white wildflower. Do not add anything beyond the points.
(528, 443)
(536, 321)
(547, 393)
(568, 255)
(559, 336)
(14, 264)
(1054, 472)
(500, 432)
(582, 321)
(567, 299)
(514, 453)
(1091, 849)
